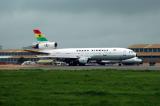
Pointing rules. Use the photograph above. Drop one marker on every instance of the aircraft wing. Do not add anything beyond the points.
(42, 54)
(59, 56)
(36, 51)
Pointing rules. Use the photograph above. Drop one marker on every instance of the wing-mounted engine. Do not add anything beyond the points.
(83, 60)
(45, 45)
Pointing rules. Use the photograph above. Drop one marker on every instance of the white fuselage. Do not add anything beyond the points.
(92, 53)
(75, 56)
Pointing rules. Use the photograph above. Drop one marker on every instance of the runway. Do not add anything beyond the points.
(101, 67)
(50, 67)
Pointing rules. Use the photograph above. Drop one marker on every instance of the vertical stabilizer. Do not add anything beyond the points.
(39, 36)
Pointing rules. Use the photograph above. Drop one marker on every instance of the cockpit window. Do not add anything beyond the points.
(130, 51)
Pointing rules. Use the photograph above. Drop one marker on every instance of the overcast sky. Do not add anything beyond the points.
(80, 23)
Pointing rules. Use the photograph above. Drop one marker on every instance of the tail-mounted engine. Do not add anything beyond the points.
(46, 45)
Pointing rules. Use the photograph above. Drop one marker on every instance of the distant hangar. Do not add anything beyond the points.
(15, 56)
(149, 53)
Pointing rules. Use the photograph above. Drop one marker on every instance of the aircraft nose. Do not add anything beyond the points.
(134, 54)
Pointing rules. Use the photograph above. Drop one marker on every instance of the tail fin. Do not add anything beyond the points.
(39, 36)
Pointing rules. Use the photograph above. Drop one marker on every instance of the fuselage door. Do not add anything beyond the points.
(124, 53)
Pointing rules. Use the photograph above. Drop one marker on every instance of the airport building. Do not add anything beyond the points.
(149, 53)
(17, 56)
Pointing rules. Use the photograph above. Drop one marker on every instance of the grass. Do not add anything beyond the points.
(79, 88)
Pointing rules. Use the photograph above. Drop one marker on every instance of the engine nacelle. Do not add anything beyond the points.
(83, 60)
(46, 45)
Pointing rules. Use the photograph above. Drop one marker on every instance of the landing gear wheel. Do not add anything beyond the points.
(119, 64)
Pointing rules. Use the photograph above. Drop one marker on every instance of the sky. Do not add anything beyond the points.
(80, 23)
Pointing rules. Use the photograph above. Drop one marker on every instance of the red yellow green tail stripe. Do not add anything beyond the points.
(39, 36)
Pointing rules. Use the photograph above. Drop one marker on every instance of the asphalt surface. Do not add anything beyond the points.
(50, 67)
(101, 67)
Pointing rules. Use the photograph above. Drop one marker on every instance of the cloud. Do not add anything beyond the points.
(80, 23)
(106, 6)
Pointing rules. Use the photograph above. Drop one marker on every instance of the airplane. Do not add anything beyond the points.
(131, 61)
(79, 56)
